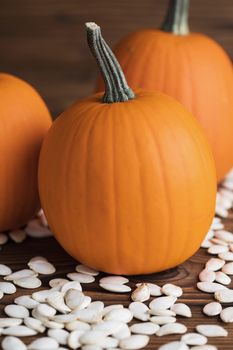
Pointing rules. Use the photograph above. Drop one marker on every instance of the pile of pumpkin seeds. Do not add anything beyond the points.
(66, 317)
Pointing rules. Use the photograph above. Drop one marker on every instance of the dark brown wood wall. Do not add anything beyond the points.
(44, 41)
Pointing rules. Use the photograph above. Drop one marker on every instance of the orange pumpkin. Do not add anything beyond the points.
(127, 180)
(190, 67)
(24, 120)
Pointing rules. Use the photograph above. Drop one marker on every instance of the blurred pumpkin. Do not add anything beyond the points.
(190, 67)
(24, 120)
(127, 180)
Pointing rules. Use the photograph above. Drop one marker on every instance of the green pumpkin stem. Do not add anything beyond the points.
(176, 20)
(116, 87)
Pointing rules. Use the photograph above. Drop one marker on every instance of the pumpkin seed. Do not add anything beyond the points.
(57, 283)
(77, 325)
(113, 280)
(60, 335)
(10, 343)
(147, 328)
(5, 270)
(181, 309)
(206, 243)
(118, 288)
(171, 328)
(122, 315)
(215, 264)
(108, 327)
(174, 345)
(194, 339)
(224, 235)
(228, 268)
(42, 267)
(86, 270)
(7, 288)
(123, 333)
(134, 342)
(37, 258)
(171, 289)
(139, 310)
(3, 238)
(210, 330)
(224, 296)
(141, 293)
(227, 315)
(64, 318)
(221, 211)
(26, 301)
(92, 337)
(95, 347)
(212, 309)
(204, 347)
(207, 275)
(35, 324)
(28, 282)
(19, 331)
(56, 300)
(42, 218)
(74, 298)
(218, 241)
(45, 310)
(217, 249)
(88, 315)
(161, 303)
(80, 277)
(73, 339)
(20, 274)
(222, 278)
(42, 295)
(114, 306)
(16, 311)
(210, 287)
(109, 343)
(86, 302)
(154, 289)
(161, 320)
(45, 343)
(52, 324)
(36, 230)
(71, 285)
(227, 256)
(162, 312)
(10, 321)
(18, 236)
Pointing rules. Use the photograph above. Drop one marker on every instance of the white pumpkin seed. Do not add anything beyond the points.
(37, 258)
(109, 343)
(42, 217)
(28, 282)
(217, 249)
(20, 274)
(222, 278)
(228, 268)
(5, 270)
(224, 296)
(16, 311)
(141, 293)
(134, 342)
(18, 236)
(123, 333)
(147, 328)
(174, 345)
(171, 328)
(95, 347)
(207, 275)
(139, 310)
(3, 238)
(211, 330)
(45, 343)
(212, 309)
(181, 309)
(7, 288)
(42, 295)
(35, 324)
(215, 264)
(88, 315)
(227, 315)
(26, 301)
(224, 235)
(73, 339)
(86, 302)
(77, 325)
(74, 298)
(221, 211)
(123, 315)
(227, 256)
(162, 312)
(42, 267)
(45, 310)
(218, 241)
(154, 289)
(111, 307)
(161, 320)
(206, 243)
(118, 288)
(113, 280)
(57, 283)
(162, 303)
(80, 277)
(11, 343)
(60, 335)
(56, 300)
(108, 327)
(204, 347)
(64, 318)
(194, 339)
(52, 324)
(19, 331)
(96, 305)
(36, 230)
(172, 289)
(71, 285)
(210, 287)
(9, 322)
(92, 337)
(86, 270)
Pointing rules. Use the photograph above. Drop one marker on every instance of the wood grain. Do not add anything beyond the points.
(44, 41)
(185, 275)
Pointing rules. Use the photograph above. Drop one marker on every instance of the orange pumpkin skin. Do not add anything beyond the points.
(24, 120)
(193, 69)
(128, 188)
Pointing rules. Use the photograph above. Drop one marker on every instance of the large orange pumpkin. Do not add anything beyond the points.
(24, 120)
(127, 180)
(190, 67)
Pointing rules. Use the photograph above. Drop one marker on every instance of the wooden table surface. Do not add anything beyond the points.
(186, 276)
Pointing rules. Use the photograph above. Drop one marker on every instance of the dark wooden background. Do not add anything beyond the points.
(44, 41)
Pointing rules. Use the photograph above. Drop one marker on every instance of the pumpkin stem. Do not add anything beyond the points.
(176, 20)
(116, 87)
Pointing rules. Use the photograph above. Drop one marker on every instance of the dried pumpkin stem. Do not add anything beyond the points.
(176, 20)
(116, 87)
